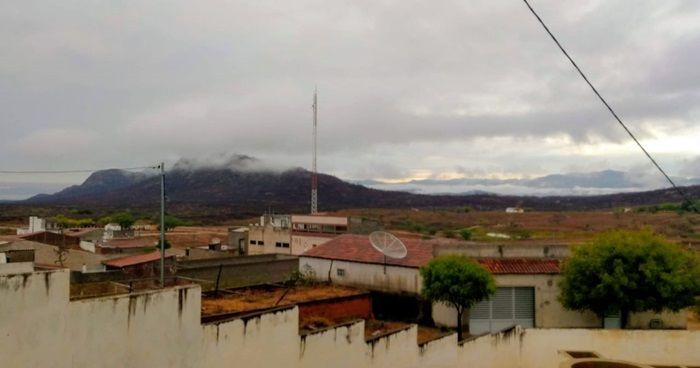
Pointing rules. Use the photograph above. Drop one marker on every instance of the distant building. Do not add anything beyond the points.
(514, 210)
(309, 231)
(142, 265)
(527, 287)
(271, 235)
(36, 224)
(238, 239)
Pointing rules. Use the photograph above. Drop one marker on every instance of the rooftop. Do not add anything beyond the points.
(252, 299)
(140, 242)
(357, 248)
(521, 265)
(135, 259)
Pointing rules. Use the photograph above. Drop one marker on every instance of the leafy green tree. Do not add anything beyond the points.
(466, 234)
(125, 219)
(170, 222)
(629, 271)
(457, 281)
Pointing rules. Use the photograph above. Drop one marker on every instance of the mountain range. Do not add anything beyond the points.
(243, 191)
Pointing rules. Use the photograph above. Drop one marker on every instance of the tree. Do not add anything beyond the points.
(629, 271)
(457, 281)
(125, 219)
(466, 234)
(170, 222)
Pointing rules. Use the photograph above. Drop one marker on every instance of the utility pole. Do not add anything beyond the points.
(314, 175)
(162, 224)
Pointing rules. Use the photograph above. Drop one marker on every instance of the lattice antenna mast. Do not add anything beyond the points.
(314, 173)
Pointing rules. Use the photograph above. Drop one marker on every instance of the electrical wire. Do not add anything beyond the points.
(614, 114)
(74, 171)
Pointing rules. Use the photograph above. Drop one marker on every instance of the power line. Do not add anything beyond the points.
(73, 171)
(681, 192)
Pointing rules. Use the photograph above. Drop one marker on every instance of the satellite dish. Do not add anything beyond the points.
(389, 245)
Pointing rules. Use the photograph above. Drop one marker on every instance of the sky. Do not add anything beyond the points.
(407, 89)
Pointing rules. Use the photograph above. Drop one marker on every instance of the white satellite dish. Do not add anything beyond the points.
(389, 245)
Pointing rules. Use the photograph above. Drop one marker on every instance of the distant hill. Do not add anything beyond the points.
(225, 192)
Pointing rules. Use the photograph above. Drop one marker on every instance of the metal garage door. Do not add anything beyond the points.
(507, 307)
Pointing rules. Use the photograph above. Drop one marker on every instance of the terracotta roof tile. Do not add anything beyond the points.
(521, 265)
(357, 248)
(134, 260)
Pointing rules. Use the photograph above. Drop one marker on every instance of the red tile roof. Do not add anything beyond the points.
(521, 265)
(357, 248)
(134, 260)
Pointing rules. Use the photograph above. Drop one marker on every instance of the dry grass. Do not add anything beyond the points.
(426, 333)
(254, 299)
(570, 226)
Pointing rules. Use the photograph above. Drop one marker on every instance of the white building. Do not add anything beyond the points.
(527, 288)
(36, 224)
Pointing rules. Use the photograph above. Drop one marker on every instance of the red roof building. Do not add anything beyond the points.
(357, 248)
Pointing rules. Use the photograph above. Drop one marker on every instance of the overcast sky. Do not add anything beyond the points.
(407, 89)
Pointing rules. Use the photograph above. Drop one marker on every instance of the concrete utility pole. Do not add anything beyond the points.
(314, 176)
(162, 224)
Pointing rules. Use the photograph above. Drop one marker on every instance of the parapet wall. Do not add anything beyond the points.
(40, 327)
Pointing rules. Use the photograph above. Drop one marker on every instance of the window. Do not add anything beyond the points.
(278, 244)
(340, 271)
(285, 245)
(509, 306)
(253, 242)
(260, 242)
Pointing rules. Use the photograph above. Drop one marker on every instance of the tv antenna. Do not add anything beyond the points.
(387, 244)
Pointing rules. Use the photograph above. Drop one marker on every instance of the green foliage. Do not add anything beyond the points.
(457, 281)
(305, 277)
(64, 222)
(630, 271)
(449, 233)
(170, 222)
(466, 234)
(125, 219)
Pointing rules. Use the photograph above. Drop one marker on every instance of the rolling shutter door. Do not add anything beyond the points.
(507, 307)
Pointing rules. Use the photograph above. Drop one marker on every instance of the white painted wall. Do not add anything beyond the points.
(364, 275)
(536, 348)
(40, 327)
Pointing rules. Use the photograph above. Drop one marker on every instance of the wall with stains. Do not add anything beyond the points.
(34, 319)
(41, 327)
(392, 279)
(536, 348)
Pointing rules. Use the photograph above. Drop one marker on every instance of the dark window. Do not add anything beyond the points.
(340, 271)
(253, 242)
(260, 242)
(278, 245)
(285, 245)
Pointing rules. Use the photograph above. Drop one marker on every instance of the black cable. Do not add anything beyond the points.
(73, 171)
(681, 192)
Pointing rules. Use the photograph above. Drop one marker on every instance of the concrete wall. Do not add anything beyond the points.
(40, 327)
(370, 276)
(535, 348)
(506, 250)
(240, 271)
(270, 235)
(302, 243)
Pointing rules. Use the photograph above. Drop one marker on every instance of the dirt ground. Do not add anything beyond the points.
(693, 321)
(537, 225)
(254, 299)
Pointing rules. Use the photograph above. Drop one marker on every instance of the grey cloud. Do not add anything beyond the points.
(399, 81)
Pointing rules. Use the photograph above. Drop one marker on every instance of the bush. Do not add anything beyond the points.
(466, 234)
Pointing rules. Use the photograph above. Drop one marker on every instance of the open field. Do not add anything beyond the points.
(562, 226)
